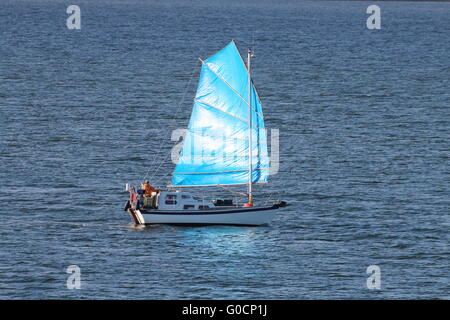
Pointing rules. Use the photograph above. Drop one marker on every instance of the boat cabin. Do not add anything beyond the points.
(180, 200)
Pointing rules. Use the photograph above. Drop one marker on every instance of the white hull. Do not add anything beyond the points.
(236, 216)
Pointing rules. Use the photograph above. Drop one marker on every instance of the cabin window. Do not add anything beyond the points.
(185, 196)
(188, 206)
(171, 199)
(203, 207)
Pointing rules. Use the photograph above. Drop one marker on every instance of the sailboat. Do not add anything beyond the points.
(225, 145)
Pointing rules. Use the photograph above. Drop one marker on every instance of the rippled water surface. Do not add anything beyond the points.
(364, 118)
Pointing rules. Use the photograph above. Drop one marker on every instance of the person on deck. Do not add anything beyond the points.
(148, 189)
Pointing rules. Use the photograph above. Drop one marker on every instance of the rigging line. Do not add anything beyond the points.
(272, 193)
(146, 127)
(234, 90)
(173, 120)
(232, 191)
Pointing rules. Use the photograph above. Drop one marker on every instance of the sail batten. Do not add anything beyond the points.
(240, 96)
(217, 143)
(203, 102)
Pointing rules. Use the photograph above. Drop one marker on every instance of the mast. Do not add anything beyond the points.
(250, 195)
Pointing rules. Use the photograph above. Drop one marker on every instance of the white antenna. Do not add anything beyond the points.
(253, 43)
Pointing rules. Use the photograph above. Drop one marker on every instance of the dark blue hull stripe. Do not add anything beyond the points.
(196, 212)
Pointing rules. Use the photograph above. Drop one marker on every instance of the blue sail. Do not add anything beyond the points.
(216, 146)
